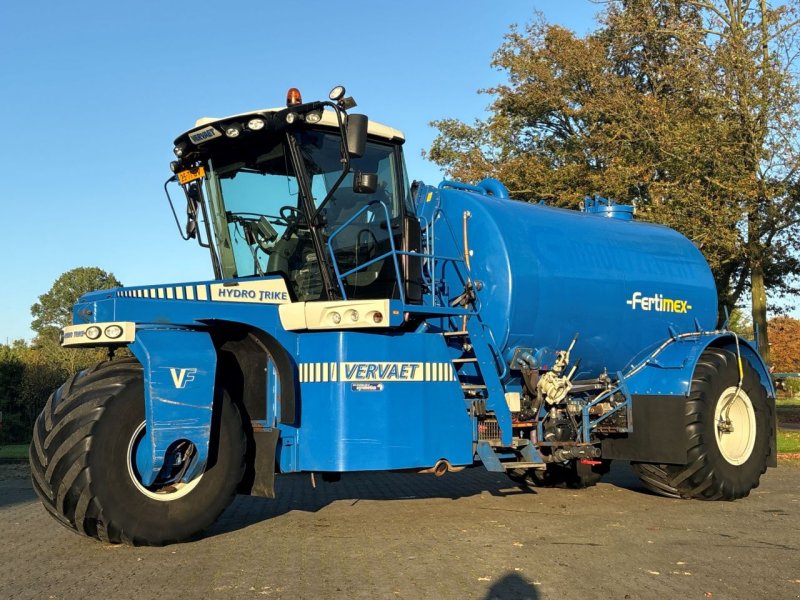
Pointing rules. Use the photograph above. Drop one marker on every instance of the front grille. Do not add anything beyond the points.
(488, 430)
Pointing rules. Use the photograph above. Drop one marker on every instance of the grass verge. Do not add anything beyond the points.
(788, 441)
(788, 410)
(14, 451)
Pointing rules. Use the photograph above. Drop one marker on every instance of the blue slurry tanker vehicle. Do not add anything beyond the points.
(359, 322)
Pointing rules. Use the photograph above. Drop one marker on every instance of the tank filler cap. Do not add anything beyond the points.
(605, 207)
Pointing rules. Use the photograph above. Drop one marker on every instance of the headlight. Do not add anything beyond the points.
(179, 149)
(93, 332)
(113, 331)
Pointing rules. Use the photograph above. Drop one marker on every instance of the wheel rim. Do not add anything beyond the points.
(163, 491)
(735, 425)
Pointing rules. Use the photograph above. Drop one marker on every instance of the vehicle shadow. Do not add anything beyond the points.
(512, 587)
(294, 492)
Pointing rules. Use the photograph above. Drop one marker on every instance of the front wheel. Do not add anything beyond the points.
(83, 462)
(727, 434)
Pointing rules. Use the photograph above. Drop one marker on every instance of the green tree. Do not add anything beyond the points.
(785, 335)
(668, 105)
(12, 371)
(752, 54)
(53, 311)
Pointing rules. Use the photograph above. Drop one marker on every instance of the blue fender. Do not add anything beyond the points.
(667, 369)
(179, 374)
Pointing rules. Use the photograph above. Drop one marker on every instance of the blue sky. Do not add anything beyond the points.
(93, 93)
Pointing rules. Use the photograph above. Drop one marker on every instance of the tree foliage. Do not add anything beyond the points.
(686, 108)
(30, 372)
(784, 333)
(53, 311)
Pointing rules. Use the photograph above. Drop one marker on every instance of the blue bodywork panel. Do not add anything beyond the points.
(179, 372)
(546, 273)
(368, 401)
(667, 369)
(378, 402)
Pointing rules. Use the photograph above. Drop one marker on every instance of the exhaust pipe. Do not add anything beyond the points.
(441, 467)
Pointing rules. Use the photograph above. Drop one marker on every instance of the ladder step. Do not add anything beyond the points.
(472, 386)
(464, 360)
(455, 333)
(523, 465)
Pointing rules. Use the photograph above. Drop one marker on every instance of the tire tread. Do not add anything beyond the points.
(699, 478)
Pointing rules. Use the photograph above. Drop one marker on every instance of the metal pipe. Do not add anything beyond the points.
(441, 467)
(467, 215)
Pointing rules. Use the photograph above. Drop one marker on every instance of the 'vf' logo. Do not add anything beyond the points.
(180, 377)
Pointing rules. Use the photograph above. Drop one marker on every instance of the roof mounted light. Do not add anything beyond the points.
(315, 116)
(337, 93)
(291, 117)
(233, 130)
(293, 97)
(256, 124)
(179, 149)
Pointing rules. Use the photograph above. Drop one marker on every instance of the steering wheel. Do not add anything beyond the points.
(293, 217)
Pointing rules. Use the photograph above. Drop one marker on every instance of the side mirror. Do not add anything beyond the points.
(357, 134)
(365, 183)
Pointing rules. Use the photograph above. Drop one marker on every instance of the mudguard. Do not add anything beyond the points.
(668, 369)
(179, 374)
(659, 378)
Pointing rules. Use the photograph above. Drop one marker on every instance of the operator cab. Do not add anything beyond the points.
(308, 192)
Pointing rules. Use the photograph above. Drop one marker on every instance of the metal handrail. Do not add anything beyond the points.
(392, 251)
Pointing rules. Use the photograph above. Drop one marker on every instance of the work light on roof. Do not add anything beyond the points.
(314, 116)
(255, 124)
(293, 97)
(337, 93)
(233, 130)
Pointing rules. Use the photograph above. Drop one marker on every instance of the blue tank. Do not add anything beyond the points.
(545, 274)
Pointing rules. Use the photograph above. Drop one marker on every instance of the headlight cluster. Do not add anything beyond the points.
(353, 316)
(315, 116)
(234, 130)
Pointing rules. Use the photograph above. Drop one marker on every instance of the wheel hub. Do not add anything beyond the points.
(168, 485)
(735, 425)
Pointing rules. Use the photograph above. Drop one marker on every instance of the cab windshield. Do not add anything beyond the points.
(267, 228)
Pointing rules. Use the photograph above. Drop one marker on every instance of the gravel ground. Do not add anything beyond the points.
(466, 535)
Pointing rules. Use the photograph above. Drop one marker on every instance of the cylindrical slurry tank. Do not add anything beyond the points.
(546, 274)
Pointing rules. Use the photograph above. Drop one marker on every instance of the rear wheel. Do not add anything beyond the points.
(727, 434)
(83, 462)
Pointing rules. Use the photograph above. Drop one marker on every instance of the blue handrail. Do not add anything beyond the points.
(393, 251)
